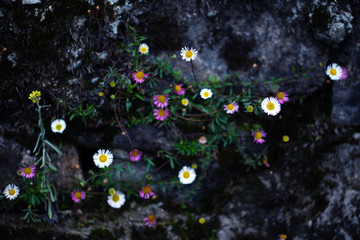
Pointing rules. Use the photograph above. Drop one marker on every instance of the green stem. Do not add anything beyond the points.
(193, 72)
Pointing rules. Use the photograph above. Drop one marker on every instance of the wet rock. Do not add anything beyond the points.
(142, 135)
(10, 158)
(30, 2)
(330, 23)
(69, 168)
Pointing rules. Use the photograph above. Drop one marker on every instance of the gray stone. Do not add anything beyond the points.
(30, 2)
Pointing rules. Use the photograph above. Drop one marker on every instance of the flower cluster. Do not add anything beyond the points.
(35, 96)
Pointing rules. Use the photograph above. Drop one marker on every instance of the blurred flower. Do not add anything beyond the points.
(112, 84)
(188, 54)
(146, 192)
(76, 195)
(101, 94)
(194, 166)
(11, 191)
(187, 175)
(250, 108)
(286, 138)
(35, 96)
(258, 135)
(58, 125)
(271, 106)
(28, 172)
(344, 74)
(231, 107)
(139, 76)
(143, 48)
(179, 90)
(202, 220)
(202, 140)
(161, 114)
(206, 93)
(282, 237)
(282, 97)
(116, 200)
(161, 101)
(103, 158)
(150, 220)
(334, 71)
(135, 155)
(266, 163)
(112, 191)
(185, 102)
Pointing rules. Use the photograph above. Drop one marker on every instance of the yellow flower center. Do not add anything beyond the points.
(258, 135)
(143, 49)
(151, 218)
(202, 220)
(286, 138)
(77, 195)
(161, 113)
(250, 108)
(134, 153)
(161, 98)
(270, 106)
(139, 75)
(146, 190)
(333, 71)
(11, 192)
(115, 197)
(283, 236)
(230, 106)
(189, 54)
(186, 174)
(58, 127)
(206, 94)
(184, 102)
(280, 95)
(177, 88)
(102, 158)
(27, 170)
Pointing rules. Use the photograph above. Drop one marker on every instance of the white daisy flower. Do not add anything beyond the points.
(185, 102)
(11, 191)
(143, 48)
(116, 200)
(187, 175)
(206, 93)
(188, 54)
(103, 158)
(271, 106)
(58, 126)
(334, 71)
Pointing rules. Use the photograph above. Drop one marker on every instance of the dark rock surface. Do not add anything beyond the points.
(311, 190)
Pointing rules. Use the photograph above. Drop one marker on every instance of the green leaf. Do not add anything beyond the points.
(49, 210)
(52, 167)
(130, 170)
(139, 97)
(51, 145)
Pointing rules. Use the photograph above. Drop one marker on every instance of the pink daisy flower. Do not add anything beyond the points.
(266, 163)
(231, 107)
(139, 76)
(151, 219)
(282, 97)
(146, 192)
(28, 172)
(344, 74)
(161, 101)
(258, 135)
(179, 90)
(76, 195)
(135, 155)
(161, 114)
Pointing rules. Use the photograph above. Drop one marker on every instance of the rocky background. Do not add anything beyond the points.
(311, 190)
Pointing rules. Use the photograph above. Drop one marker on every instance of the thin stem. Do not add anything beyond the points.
(193, 72)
